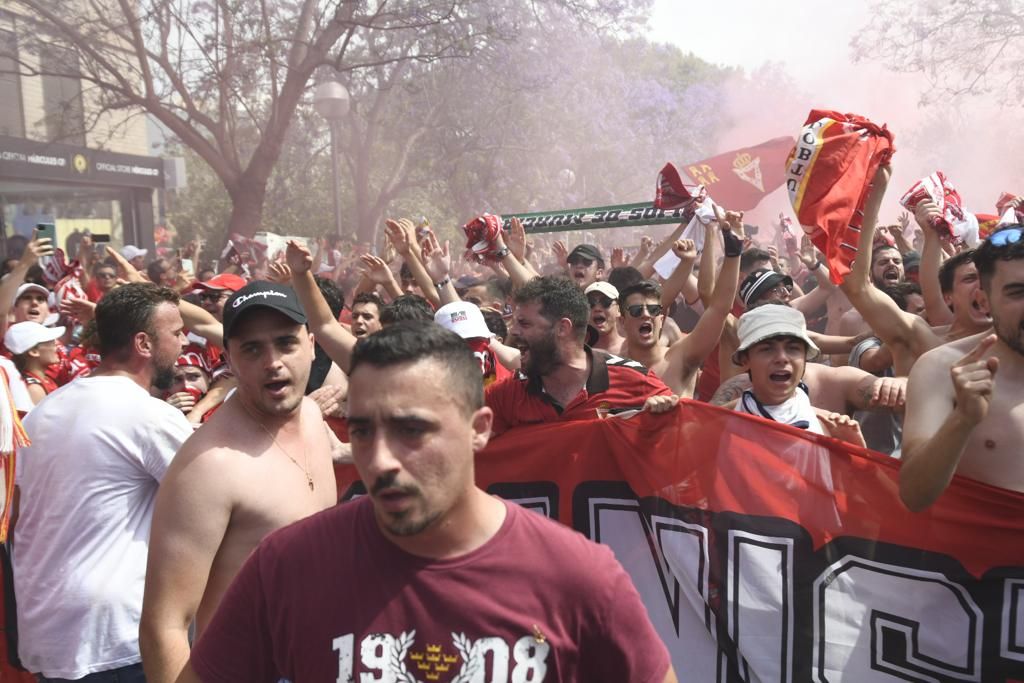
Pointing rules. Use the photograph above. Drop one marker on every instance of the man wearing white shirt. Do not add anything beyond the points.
(85, 494)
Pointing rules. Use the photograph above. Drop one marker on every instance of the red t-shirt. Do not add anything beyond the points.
(615, 383)
(330, 598)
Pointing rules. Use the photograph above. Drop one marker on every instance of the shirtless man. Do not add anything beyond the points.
(964, 408)
(678, 364)
(262, 462)
(906, 335)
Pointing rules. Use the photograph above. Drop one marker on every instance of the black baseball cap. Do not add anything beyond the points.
(587, 251)
(759, 283)
(262, 294)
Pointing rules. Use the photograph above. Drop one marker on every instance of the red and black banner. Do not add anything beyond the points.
(764, 553)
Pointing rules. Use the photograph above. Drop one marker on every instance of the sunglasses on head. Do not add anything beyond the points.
(637, 310)
(599, 300)
(1005, 237)
(580, 261)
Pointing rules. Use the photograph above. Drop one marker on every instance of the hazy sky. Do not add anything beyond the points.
(975, 142)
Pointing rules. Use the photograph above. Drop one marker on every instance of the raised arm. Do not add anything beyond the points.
(647, 267)
(403, 236)
(708, 264)
(438, 262)
(692, 350)
(517, 272)
(328, 332)
(35, 249)
(376, 272)
(935, 309)
(879, 311)
(686, 250)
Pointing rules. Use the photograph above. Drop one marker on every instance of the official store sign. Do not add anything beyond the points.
(31, 160)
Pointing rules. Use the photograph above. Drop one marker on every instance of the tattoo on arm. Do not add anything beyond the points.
(730, 390)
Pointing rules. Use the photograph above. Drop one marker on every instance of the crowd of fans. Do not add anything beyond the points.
(193, 414)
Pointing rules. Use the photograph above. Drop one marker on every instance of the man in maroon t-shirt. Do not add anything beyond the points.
(561, 378)
(428, 577)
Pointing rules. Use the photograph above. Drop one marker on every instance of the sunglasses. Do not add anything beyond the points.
(106, 276)
(1005, 237)
(600, 300)
(637, 310)
(580, 261)
(211, 297)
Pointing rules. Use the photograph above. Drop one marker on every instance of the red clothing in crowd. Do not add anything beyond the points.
(614, 383)
(537, 602)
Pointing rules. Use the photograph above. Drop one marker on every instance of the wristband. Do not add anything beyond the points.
(501, 253)
(733, 244)
(817, 264)
(443, 282)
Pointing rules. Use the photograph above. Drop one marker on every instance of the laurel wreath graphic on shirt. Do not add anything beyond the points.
(472, 659)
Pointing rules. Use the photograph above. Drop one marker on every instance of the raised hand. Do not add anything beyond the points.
(298, 258)
(618, 258)
(808, 255)
(974, 378)
(843, 427)
(330, 399)
(81, 309)
(279, 272)
(516, 241)
(436, 259)
(399, 237)
(376, 270)
(35, 250)
(560, 251)
(686, 250)
(904, 219)
(646, 245)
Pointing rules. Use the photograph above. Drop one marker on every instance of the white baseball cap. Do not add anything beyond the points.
(130, 251)
(464, 319)
(770, 321)
(31, 287)
(22, 337)
(606, 288)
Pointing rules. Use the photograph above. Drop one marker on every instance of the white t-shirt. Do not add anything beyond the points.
(100, 446)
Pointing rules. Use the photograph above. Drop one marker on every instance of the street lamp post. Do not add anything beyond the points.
(331, 101)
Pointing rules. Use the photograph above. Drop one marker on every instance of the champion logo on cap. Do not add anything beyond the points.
(245, 297)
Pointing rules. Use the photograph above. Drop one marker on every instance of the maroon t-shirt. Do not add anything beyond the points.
(330, 598)
(614, 384)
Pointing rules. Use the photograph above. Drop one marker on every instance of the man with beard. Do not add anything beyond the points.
(427, 567)
(907, 336)
(886, 271)
(560, 377)
(85, 493)
(261, 462)
(964, 403)
(604, 316)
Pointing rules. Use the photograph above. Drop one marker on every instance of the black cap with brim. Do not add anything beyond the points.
(587, 251)
(262, 294)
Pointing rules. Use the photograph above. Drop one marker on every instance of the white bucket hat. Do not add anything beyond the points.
(770, 321)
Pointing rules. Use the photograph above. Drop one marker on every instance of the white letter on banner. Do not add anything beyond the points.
(1012, 641)
(860, 604)
(760, 606)
(680, 568)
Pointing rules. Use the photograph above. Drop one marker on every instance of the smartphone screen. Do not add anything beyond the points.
(96, 239)
(47, 230)
(186, 265)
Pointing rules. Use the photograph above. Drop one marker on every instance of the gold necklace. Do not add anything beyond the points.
(305, 453)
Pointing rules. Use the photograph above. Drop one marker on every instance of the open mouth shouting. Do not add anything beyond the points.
(891, 275)
(277, 388)
(781, 377)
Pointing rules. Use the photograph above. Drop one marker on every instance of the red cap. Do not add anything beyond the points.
(228, 281)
